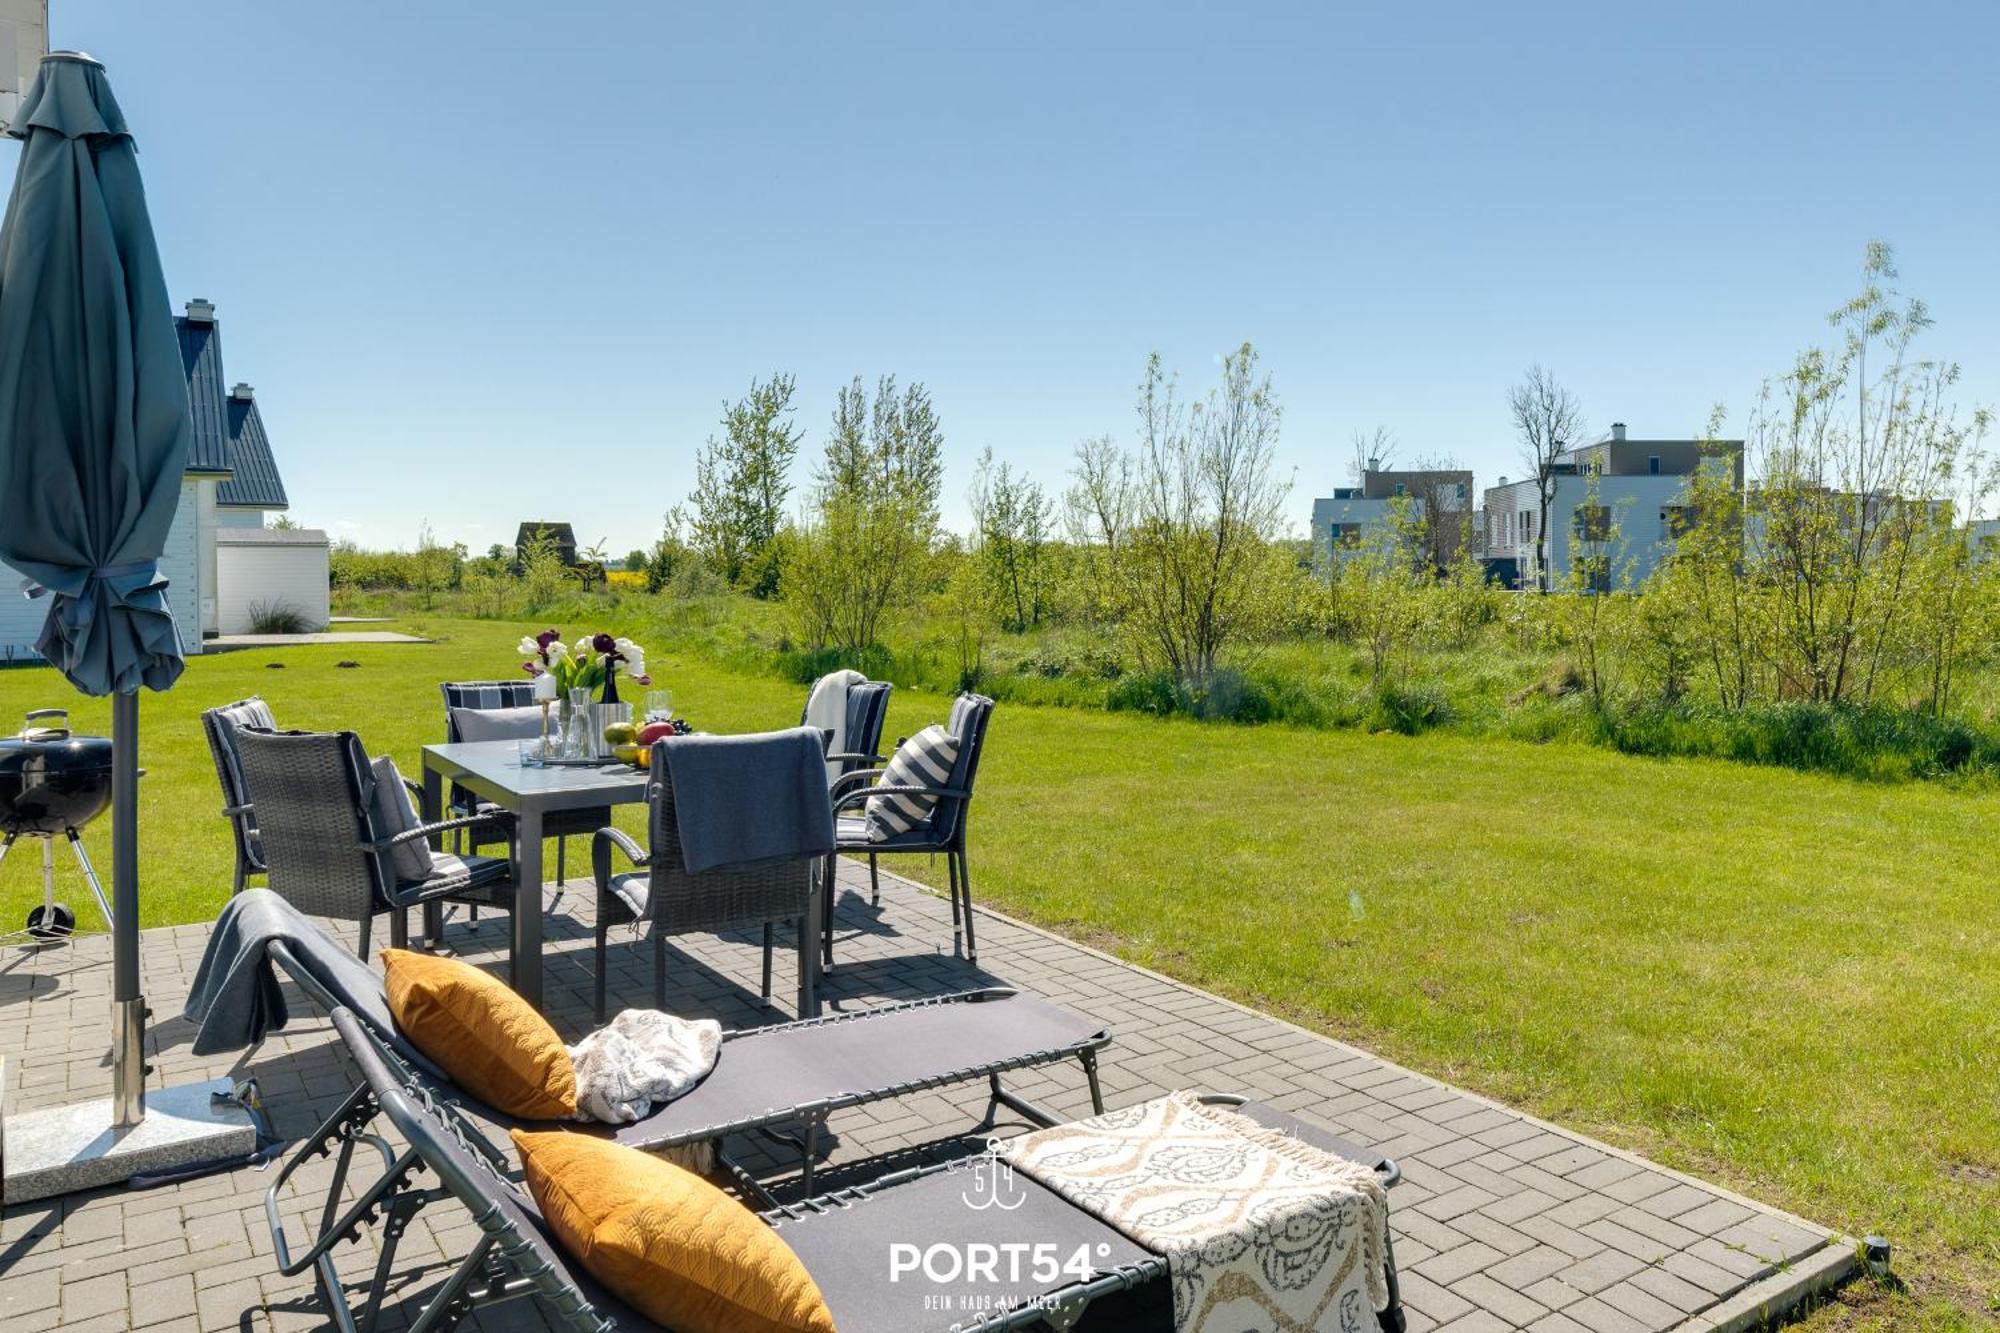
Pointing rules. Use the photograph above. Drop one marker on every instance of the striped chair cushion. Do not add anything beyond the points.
(924, 760)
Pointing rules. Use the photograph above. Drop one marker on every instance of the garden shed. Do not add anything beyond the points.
(262, 570)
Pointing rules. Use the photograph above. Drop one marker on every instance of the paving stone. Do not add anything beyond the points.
(1482, 1291)
(1492, 1225)
(1523, 1270)
(1630, 1299)
(1603, 1269)
(1447, 1268)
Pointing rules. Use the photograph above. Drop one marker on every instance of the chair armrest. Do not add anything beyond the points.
(899, 789)
(851, 756)
(601, 844)
(426, 831)
(232, 811)
(847, 781)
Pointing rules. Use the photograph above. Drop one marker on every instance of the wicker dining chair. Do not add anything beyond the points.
(867, 706)
(867, 709)
(488, 695)
(667, 899)
(326, 851)
(220, 725)
(943, 833)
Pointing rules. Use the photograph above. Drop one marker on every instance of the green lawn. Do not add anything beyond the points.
(1782, 982)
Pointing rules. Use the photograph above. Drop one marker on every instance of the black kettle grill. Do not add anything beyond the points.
(52, 783)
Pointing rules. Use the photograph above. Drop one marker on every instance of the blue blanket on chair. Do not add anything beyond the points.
(742, 801)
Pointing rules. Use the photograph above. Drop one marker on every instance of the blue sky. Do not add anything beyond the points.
(499, 261)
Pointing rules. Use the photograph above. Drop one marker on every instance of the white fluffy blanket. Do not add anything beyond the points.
(1260, 1230)
(641, 1059)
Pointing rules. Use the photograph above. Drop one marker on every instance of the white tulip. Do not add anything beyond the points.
(529, 648)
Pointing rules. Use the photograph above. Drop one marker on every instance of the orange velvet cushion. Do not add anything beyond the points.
(490, 1040)
(668, 1243)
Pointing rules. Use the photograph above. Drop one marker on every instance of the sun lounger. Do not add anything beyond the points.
(801, 1073)
(515, 1256)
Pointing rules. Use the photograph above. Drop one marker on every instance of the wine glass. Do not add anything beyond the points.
(659, 705)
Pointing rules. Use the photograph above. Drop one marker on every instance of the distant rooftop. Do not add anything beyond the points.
(201, 357)
(256, 483)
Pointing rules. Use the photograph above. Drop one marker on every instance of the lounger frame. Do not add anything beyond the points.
(507, 1261)
(809, 1117)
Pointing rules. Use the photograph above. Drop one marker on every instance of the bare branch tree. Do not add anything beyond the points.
(1372, 448)
(1446, 526)
(1548, 420)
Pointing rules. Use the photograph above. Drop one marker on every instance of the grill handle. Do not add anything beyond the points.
(38, 722)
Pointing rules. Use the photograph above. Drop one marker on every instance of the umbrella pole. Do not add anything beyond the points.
(128, 1008)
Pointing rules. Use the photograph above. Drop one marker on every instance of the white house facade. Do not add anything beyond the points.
(230, 481)
(1615, 509)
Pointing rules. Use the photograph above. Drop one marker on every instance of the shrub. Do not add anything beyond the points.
(1411, 709)
(279, 617)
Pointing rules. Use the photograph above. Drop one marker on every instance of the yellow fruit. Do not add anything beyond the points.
(629, 754)
(620, 733)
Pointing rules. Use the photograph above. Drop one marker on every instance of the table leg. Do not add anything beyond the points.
(433, 913)
(525, 959)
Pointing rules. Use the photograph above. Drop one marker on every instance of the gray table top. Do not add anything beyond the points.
(493, 769)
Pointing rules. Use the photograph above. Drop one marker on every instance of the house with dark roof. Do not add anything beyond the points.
(229, 487)
(562, 534)
(187, 561)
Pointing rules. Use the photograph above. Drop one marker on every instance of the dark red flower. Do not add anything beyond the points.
(604, 643)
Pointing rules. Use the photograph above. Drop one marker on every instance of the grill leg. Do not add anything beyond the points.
(89, 874)
(767, 962)
(49, 879)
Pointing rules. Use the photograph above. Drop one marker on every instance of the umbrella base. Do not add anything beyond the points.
(64, 1149)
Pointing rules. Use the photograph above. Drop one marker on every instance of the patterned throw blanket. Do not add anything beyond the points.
(1260, 1230)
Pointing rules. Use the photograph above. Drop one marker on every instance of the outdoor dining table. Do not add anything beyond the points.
(492, 770)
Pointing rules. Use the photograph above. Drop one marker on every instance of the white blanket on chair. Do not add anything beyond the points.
(826, 710)
(644, 1058)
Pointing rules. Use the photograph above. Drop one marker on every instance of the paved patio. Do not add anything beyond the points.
(1502, 1221)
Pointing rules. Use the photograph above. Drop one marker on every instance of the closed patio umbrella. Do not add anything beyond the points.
(94, 435)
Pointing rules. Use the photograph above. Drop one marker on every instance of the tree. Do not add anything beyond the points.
(742, 483)
(434, 567)
(860, 548)
(1204, 573)
(1097, 512)
(671, 553)
(1012, 519)
(1374, 451)
(1852, 525)
(1442, 527)
(634, 561)
(892, 444)
(1548, 421)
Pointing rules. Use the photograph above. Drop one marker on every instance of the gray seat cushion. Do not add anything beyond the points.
(850, 833)
(498, 724)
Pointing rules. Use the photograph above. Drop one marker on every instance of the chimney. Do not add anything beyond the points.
(1503, 481)
(241, 392)
(201, 310)
(1617, 430)
(1374, 463)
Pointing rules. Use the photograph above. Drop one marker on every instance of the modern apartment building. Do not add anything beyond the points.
(1614, 511)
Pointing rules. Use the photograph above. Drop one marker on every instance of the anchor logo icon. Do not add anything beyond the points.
(993, 1183)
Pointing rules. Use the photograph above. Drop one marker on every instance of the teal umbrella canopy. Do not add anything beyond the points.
(94, 425)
